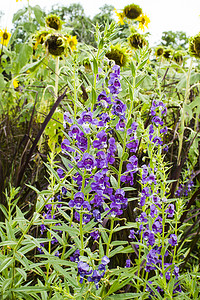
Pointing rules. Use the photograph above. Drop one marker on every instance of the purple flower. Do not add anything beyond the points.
(151, 179)
(118, 108)
(42, 228)
(132, 165)
(157, 121)
(128, 263)
(97, 215)
(152, 259)
(98, 200)
(88, 162)
(115, 209)
(157, 141)
(79, 202)
(60, 173)
(121, 124)
(86, 217)
(114, 82)
(105, 260)
(95, 234)
(101, 142)
(83, 270)
(74, 131)
(133, 128)
(157, 225)
(132, 234)
(65, 146)
(170, 210)
(164, 130)
(104, 118)
(133, 144)
(96, 277)
(153, 211)
(103, 100)
(116, 69)
(143, 217)
(173, 240)
(151, 239)
(100, 181)
(101, 160)
(81, 141)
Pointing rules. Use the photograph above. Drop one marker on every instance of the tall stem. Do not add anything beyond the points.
(183, 114)
(57, 76)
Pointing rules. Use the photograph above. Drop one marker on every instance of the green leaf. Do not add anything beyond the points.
(31, 289)
(32, 67)
(116, 251)
(114, 169)
(114, 182)
(39, 15)
(6, 263)
(133, 68)
(117, 243)
(18, 14)
(139, 80)
(127, 296)
(2, 82)
(125, 156)
(65, 273)
(142, 64)
(120, 150)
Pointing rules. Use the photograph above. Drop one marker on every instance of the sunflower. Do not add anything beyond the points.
(40, 37)
(72, 41)
(167, 54)
(132, 11)
(5, 37)
(143, 21)
(118, 54)
(137, 40)
(194, 46)
(53, 21)
(179, 56)
(120, 17)
(159, 51)
(55, 44)
(18, 0)
(15, 83)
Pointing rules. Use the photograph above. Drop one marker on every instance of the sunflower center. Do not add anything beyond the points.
(5, 36)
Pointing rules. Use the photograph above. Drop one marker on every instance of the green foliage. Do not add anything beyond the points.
(176, 40)
(41, 98)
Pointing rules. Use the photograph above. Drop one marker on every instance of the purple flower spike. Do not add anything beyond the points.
(173, 240)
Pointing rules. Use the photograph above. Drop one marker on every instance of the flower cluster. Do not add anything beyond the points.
(158, 111)
(84, 270)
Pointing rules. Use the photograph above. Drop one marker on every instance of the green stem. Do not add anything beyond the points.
(81, 234)
(183, 114)
(110, 236)
(57, 76)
